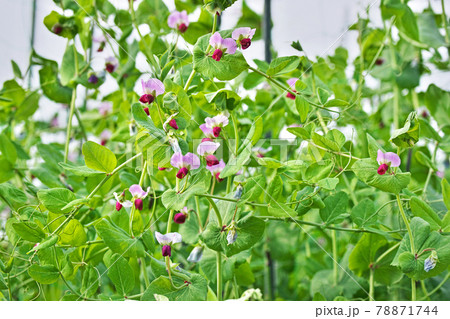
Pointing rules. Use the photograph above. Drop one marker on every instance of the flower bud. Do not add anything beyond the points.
(57, 28)
(382, 169)
(173, 124)
(217, 55)
(182, 28)
(179, 218)
(146, 98)
(110, 67)
(166, 251)
(182, 172)
(146, 110)
(216, 131)
(196, 254)
(245, 43)
(118, 206)
(211, 160)
(139, 204)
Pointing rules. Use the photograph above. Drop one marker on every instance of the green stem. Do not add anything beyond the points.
(335, 257)
(216, 210)
(444, 21)
(189, 81)
(411, 241)
(144, 271)
(437, 287)
(236, 132)
(231, 200)
(371, 285)
(219, 276)
(69, 123)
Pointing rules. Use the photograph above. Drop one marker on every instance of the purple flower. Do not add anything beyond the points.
(207, 131)
(178, 20)
(216, 170)
(216, 123)
(291, 83)
(184, 163)
(243, 36)
(167, 241)
(105, 135)
(93, 79)
(138, 195)
(431, 261)
(105, 108)
(207, 148)
(221, 46)
(386, 160)
(232, 233)
(152, 88)
(180, 217)
(111, 64)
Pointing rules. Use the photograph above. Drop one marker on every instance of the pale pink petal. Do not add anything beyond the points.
(184, 18)
(174, 237)
(162, 239)
(291, 82)
(244, 32)
(207, 147)
(216, 40)
(127, 203)
(207, 131)
(191, 160)
(216, 168)
(173, 19)
(153, 85)
(177, 160)
(230, 45)
(380, 157)
(137, 191)
(105, 134)
(393, 159)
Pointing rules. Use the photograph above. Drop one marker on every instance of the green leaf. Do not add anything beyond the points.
(429, 31)
(29, 231)
(46, 274)
(172, 199)
(12, 196)
(249, 232)
(16, 69)
(421, 209)
(366, 170)
(335, 208)
(121, 274)
(99, 157)
(446, 193)
(195, 290)
(363, 255)
(73, 234)
(425, 160)
(363, 213)
(56, 199)
(51, 86)
(229, 66)
(328, 183)
(68, 71)
(7, 149)
(146, 122)
(283, 65)
(118, 240)
(323, 95)
(408, 135)
(90, 281)
(302, 107)
(424, 238)
(83, 171)
(28, 107)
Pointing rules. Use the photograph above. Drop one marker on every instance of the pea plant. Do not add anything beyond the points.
(201, 175)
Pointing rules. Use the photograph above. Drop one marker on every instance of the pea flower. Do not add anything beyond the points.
(386, 160)
(184, 163)
(232, 233)
(178, 20)
(152, 88)
(101, 41)
(208, 132)
(221, 46)
(167, 241)
(196, 254)
(207, 148)
(93, 78)
(431, 261)
(216, 170)
(260, 151)
(243, 36)
(171, 122)
(121, 202)
(105, 108)
(216, 123)
(111, 64)
(180, 217)
(291, 83)
(138, 195)
(105, 135)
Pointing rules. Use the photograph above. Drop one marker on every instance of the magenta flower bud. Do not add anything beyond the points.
(216, 131)
(57, 28)
(139, 204)
(182, 172)
(245, 43)
(217, 169)
(118, 206)
(379, 61)
(147, 111)
(182, 28)
(146, 98)
(207, 139)
(218, 178)
(162, 168)
(110, 67)
(382, 169)
(166, 251)
(211, 160)
(179, 218)
(173, 124)
(103, 142)
(217, 55)
(291, 96)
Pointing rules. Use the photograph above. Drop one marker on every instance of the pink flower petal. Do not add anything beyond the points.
(393, 159)
(244, 32)
(191, 160)
(137, 191)
(291, 82)
(207, 147)
(216, 40)
(230, 45)
(153, 85)
(177, 160)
